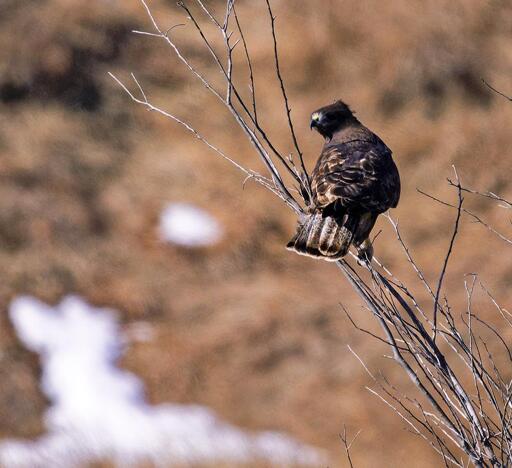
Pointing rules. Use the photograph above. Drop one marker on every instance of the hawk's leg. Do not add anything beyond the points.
(365, 252)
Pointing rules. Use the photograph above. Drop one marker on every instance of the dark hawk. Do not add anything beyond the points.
(354, 180)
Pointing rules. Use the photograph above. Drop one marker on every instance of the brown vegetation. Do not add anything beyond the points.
(246, 328)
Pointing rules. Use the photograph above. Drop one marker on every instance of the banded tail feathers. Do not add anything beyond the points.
(323, 236)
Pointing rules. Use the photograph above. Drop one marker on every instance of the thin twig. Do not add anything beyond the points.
(489, 195)
(448, 254)
(285, 99)
(280, 186)
(347, 444)
(496, 91)
(469, 213)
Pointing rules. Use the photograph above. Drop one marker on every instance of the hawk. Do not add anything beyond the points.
(354, 180)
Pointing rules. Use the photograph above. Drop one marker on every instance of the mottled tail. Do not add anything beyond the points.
(324, 237)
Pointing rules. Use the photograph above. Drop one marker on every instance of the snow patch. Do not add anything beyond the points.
(189, 226)
(98, 411)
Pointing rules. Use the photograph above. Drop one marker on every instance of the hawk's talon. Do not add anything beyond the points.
(365, 253)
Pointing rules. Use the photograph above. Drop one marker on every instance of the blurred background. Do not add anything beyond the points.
(98, 198)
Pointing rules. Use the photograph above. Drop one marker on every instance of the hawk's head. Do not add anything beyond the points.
(327, 120)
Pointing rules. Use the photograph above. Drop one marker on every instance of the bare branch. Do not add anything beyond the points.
(250, 173)
(232, 89)
(496, 91)
(252, 85)
(490, 195)
(285, 195)
(285, 99)
(463, 405)
(448, 254)
(347, 444)
(472, 215)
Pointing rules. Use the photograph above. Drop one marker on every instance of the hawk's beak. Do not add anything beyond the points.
(315, 119)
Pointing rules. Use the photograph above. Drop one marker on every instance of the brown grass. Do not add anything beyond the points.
(247, 328)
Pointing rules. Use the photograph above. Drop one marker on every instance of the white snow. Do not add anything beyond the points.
(98, 411)
(187, 225)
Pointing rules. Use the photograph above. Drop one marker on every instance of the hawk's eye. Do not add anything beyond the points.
(329, 116)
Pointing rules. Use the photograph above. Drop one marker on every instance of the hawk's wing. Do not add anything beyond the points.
(358, 174)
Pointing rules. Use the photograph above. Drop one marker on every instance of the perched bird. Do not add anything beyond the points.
(354, 180)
